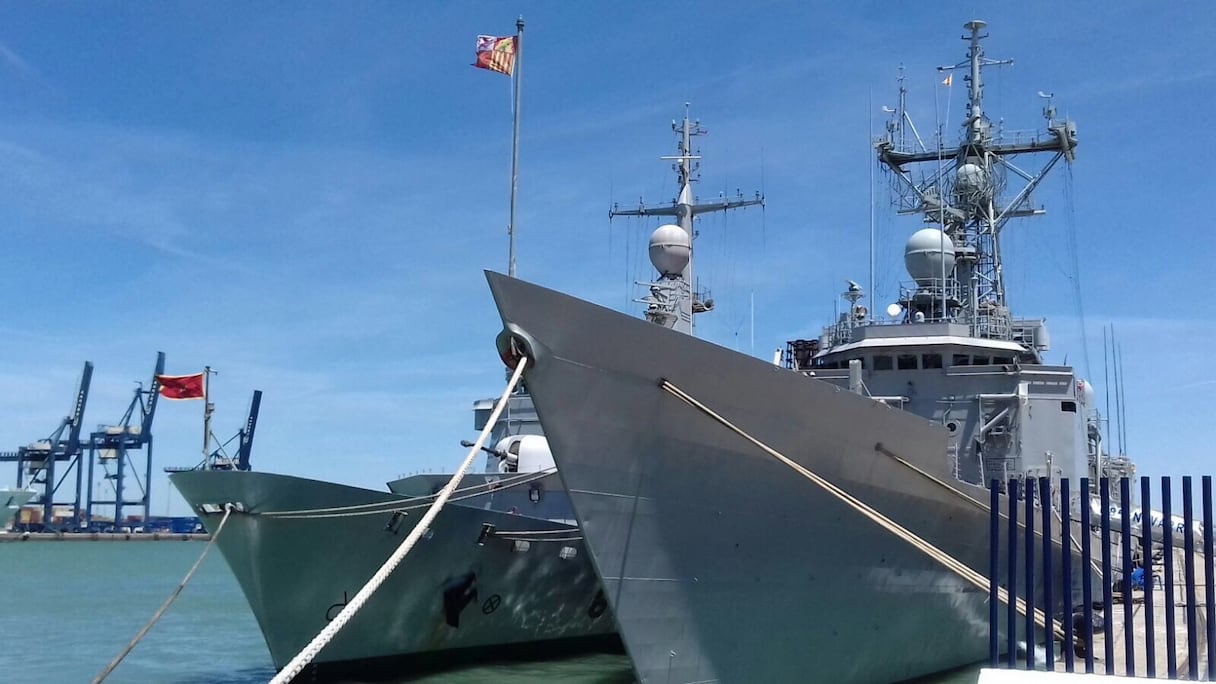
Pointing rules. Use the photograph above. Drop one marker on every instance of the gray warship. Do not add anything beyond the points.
(501, 574)
(721, 561)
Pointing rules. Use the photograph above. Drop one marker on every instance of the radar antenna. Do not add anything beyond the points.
(671, 301)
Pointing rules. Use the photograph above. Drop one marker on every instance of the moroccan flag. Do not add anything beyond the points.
(496, 54)
(182, 386)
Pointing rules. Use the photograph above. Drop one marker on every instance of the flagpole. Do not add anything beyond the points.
(519, 41)
(206, 417)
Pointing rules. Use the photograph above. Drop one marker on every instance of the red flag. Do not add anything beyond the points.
(182, 386)
(496, 54)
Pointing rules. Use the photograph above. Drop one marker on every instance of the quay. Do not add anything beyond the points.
(102, 536)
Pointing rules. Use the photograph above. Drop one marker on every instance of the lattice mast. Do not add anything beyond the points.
(970, 191)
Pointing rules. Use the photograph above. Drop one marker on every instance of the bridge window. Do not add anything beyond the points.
(1002, 360)
(962, 360)
(882, 362)
(1068, 406)
(906, 362)
(931, 361)
(980, 360)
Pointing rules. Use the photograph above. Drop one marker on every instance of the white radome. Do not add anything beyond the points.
(670, 249)
(929, 251)
(971, 178)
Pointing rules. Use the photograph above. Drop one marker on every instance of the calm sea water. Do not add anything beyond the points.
(67, 608)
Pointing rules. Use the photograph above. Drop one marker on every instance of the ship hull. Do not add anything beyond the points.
(721, 563)
(11, 501)
(452, 599)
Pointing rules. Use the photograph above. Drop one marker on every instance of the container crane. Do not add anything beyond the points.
(39, 458)
(116, 446)
(219, 459)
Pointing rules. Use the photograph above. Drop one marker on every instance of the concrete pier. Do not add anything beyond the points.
(100, 536)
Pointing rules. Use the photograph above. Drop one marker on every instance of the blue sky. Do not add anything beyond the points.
(304, 196)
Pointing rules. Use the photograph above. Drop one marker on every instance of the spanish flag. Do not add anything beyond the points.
(496, 54)
(182, 386)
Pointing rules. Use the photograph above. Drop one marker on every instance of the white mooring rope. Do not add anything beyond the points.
(306, 656)
(949, 562)
(169, 601)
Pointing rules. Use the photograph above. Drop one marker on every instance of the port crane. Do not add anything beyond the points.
(113, 450)
(219, 458)
(38, 460)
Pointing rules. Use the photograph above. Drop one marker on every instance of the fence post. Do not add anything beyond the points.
(1011, 616)
(994, 561)
(1146, 562)
(1125, 544)
(1048, 576)
(1209, 589)
(1188, 546)
(1108, 627)
(1167, 555)
(1030, 589)
(1066, 571)
(1087, 580)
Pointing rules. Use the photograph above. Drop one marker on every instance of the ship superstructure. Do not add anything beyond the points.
(950, 348)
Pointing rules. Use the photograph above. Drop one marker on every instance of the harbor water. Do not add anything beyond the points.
(69, 608)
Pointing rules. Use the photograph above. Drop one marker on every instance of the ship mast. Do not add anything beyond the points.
(671, 301)
(966, 195)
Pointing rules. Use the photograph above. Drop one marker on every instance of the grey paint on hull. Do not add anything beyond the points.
(297, 573)
(722, 564)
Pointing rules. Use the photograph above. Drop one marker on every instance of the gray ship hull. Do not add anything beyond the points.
(298, 573)
(720, 563)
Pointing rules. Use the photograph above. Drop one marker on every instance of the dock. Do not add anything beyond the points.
(102, 536)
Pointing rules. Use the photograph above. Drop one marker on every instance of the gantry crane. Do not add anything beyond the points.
(39, 458)
(116, 446)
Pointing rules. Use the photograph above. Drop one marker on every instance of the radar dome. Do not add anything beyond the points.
(971, 179)
(670, 249)
(929, 251)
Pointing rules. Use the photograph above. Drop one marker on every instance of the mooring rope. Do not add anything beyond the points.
(396, 505)
(168, 602)
(304, 657)
(880, 448)
(951, 563)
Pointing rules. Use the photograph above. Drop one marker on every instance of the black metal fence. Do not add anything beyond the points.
(1037, 549)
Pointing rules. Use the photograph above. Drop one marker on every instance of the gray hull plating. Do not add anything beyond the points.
(720, 563)
(298, 573)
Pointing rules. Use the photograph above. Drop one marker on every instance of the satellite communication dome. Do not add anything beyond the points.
(670, 249)
(971, 179)
(929, 251)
